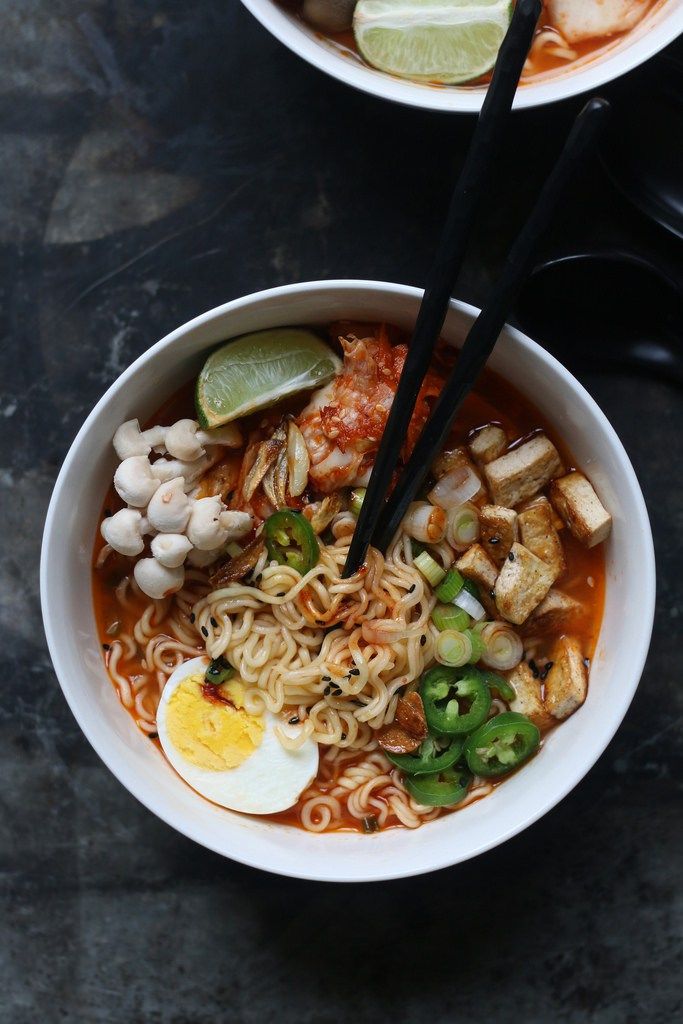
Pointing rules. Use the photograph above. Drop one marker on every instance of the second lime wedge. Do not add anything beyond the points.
(449, 41)
(256, 370)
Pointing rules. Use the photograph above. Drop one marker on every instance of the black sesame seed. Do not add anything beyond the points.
(354, 672)
(343, 735)
(423, 640)
(213, 622)
(494, 540)
(338, 691)
(327, 691)
(192, 616)
(511, 556)
(153, 735)
(294, 720)
(106, 647)
(205, 631)
(281, 593)
(411, 589)
(546, 668)
(327, 679)
(534, 668)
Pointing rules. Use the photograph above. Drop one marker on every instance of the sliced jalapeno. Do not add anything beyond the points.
(502, 744)
(291, 541)
(442, 789)
(499, 686)
(456, 700)
(433, 755)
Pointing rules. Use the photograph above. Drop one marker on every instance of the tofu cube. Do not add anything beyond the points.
(556, 609)
(488, 443)
(537, 533)
(579, 506)
(522, 583)
(476, 565)
(498, 531)
(523, 472)
(566, 684)
(529, 696)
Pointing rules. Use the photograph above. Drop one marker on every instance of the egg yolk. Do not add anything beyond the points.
(211, 734)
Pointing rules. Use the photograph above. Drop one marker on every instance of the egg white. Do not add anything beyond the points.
(270, 780)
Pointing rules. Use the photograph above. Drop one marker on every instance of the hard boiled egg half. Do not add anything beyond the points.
(229, 756)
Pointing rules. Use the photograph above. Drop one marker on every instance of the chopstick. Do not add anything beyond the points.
(446, 266)
(484, 332)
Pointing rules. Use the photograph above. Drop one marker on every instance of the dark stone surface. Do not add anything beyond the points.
(158, 158)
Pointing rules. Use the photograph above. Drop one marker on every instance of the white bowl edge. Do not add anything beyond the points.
(397, 853)
(642, 42)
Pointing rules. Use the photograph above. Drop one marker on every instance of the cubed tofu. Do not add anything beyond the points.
(566, 684)
(579, 506)
(522, 583)
(541, 499)
(529, 697)
(537, 533)
(556, 609)
(476, 565)
(498, 531)
(523, 472)
(488, 444)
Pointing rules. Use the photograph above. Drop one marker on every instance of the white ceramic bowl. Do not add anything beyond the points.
(657, 30)
(569, 751)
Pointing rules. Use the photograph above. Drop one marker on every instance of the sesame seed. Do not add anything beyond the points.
(511, 556)
(281, 593)
(327, 679)
(354, 672)
(423, 640)
(327, 691)
(153, 735)
(343, 735)
(192, 617)
(294, 720)
(494, 540)
(546, 668)
(411, 589)
(534, 668)
(205, 631)
(213, 622)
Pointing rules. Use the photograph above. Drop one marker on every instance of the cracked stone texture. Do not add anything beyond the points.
(156, 159)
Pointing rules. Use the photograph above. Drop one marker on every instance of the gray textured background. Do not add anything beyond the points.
(158, 158)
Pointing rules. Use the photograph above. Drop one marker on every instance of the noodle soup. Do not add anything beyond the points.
(321, 701)
(570, 34)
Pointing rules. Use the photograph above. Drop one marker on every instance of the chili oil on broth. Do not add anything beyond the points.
(120, 612)
(542, 64)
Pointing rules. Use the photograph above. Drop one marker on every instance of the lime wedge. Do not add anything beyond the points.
(447, 41)
(256, 370)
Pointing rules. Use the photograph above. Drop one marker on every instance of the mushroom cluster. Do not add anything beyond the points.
(162, 502)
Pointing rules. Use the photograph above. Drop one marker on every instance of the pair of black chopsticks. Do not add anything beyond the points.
(378, 521)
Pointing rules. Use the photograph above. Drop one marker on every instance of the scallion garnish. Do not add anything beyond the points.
(430, 569)
(445, 616)
(453, 648)
(218, 671)
(357, 496)
(450, 587)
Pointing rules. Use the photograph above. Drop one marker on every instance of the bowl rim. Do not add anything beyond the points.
(594, 74)
(444, 856)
